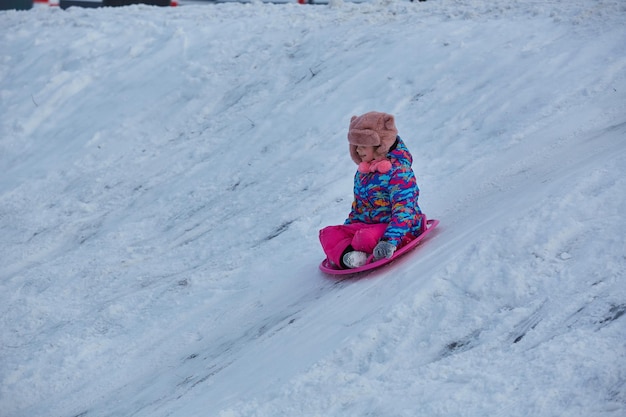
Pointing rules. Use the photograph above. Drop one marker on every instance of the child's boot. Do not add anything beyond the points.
(354, 259)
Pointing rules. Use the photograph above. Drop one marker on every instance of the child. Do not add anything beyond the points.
(385, 213)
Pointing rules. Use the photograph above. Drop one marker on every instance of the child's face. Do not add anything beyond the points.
(366, 153)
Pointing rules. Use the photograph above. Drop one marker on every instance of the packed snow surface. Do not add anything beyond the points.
(165, 173)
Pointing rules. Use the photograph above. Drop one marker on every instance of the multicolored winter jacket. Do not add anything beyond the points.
(390, 197)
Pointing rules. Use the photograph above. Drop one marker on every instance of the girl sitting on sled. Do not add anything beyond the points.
(385, 213)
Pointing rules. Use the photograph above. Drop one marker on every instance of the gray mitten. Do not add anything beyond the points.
(384, 249)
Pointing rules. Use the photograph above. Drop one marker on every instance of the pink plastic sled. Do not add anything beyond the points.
(327, 267)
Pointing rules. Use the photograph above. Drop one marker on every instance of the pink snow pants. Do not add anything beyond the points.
(361, 236)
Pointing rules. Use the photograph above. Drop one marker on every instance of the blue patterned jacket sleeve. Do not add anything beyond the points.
(389, 198)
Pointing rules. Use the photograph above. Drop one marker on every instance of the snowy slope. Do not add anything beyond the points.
(165, 172)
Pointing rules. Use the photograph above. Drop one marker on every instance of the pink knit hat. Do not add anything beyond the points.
(372, 129)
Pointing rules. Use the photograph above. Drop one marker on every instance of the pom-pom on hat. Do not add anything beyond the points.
(372, 129)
